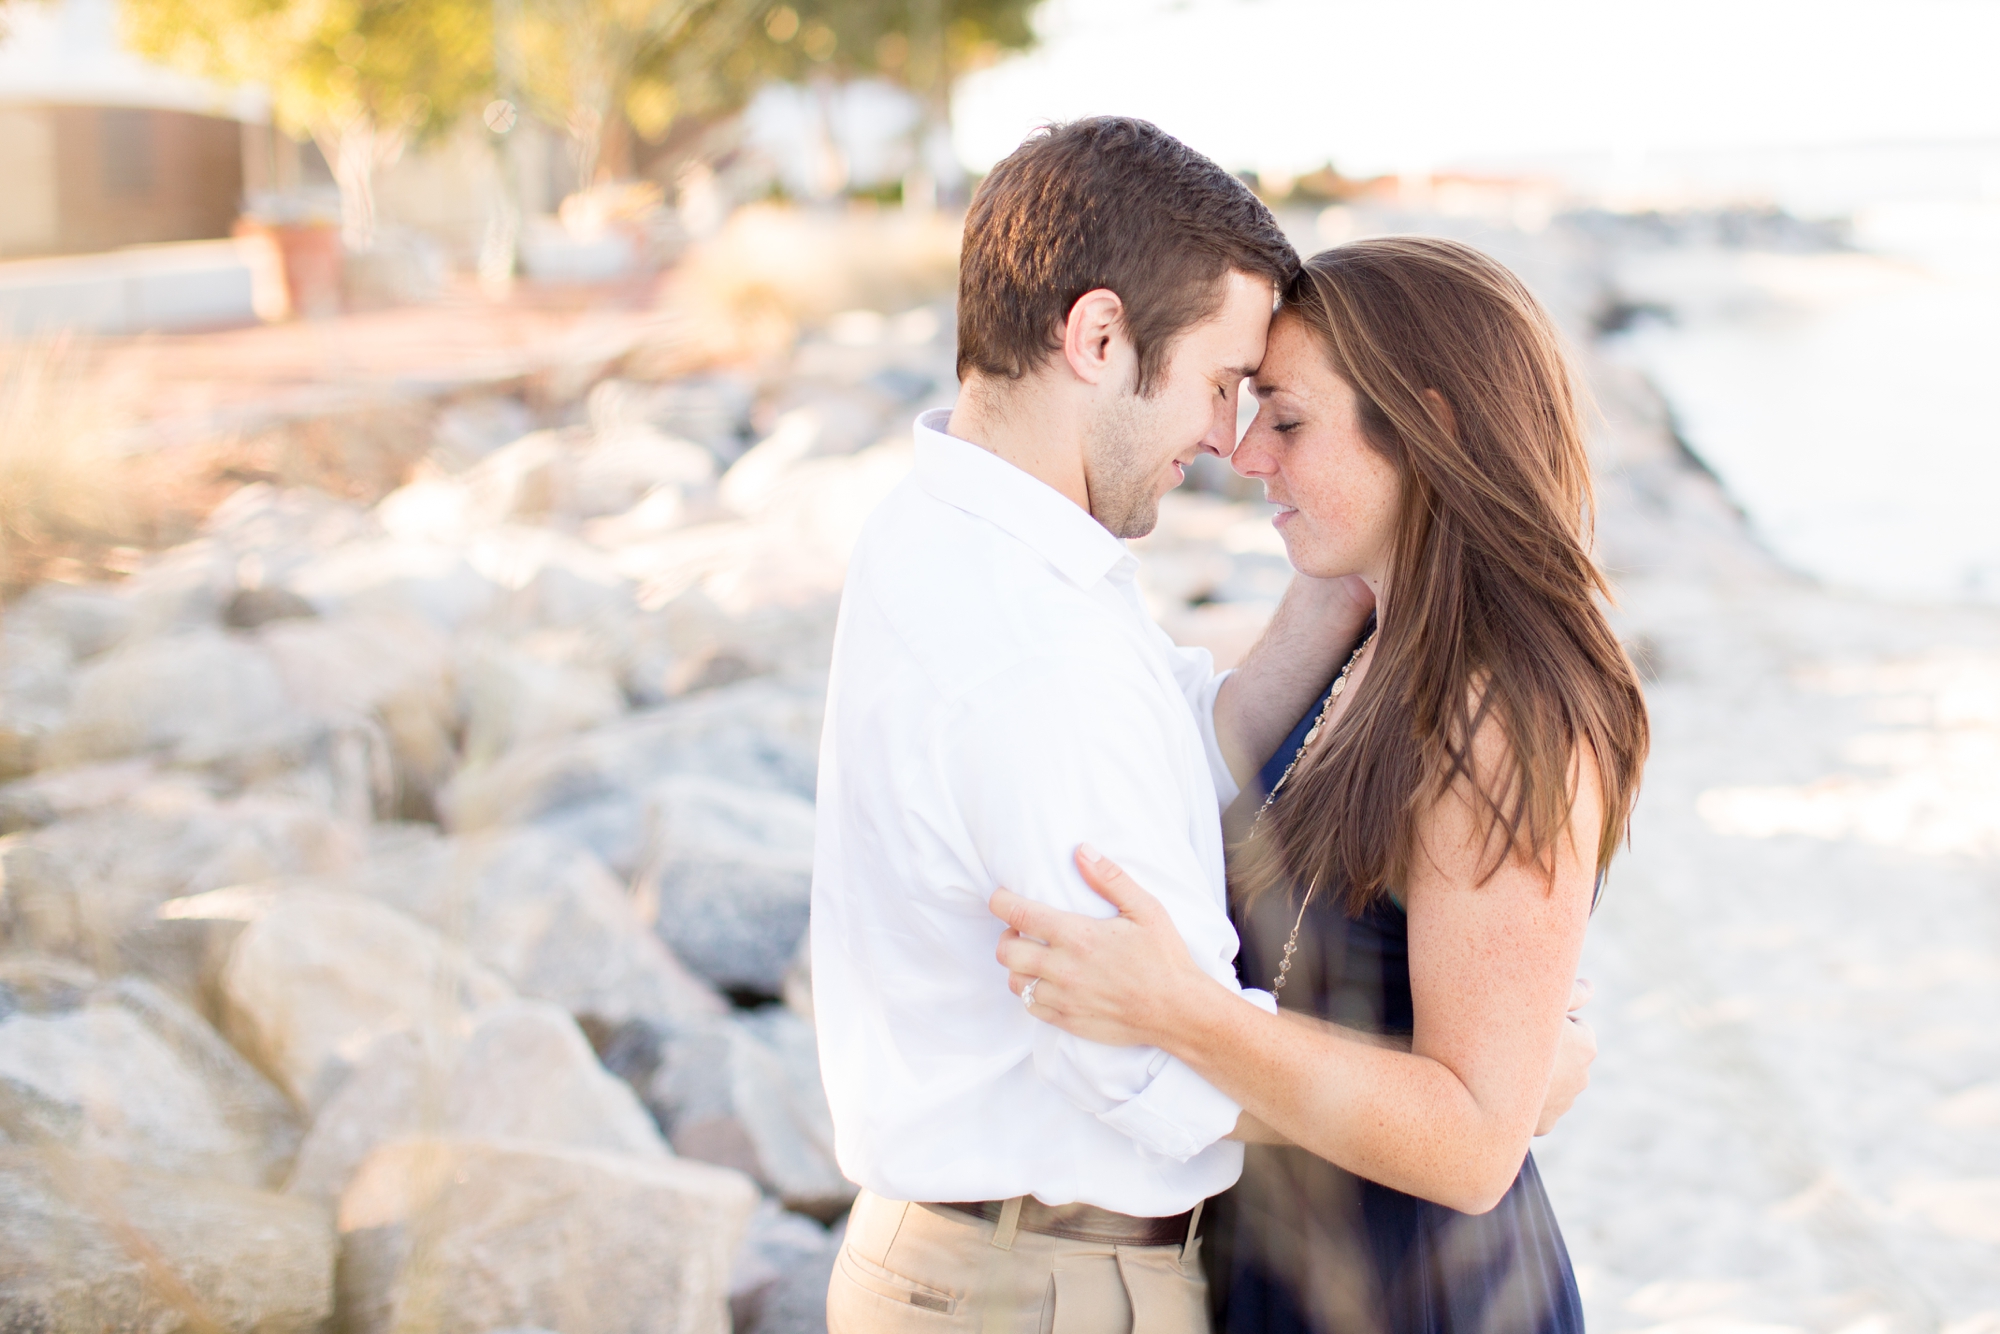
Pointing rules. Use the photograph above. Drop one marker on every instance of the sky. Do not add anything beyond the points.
(1382, 86)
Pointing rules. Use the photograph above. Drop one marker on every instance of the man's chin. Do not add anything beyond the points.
(1136, 522)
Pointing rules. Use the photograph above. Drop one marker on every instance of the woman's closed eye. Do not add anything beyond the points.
(1286, 428)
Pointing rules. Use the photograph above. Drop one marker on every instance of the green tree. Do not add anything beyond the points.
(580, 63)
(925, 45)
(665, 67)
(922, 45)
(361, 77)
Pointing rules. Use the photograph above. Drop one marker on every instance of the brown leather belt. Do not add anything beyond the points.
(1087, 1222)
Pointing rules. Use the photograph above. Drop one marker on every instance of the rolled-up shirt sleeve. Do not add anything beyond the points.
(1194, 671)
(1059, 753)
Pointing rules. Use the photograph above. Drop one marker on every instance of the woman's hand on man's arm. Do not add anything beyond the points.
(1125, 981)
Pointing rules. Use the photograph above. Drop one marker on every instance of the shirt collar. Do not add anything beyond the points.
(980, 482)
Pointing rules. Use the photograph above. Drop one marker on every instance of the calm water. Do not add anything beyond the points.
(1848, 401)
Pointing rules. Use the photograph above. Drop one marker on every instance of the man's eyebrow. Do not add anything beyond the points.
(1241, 372)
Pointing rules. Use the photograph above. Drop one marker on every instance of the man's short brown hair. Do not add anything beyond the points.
(1107, 202)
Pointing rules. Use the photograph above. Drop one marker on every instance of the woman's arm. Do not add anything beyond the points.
(1490, 971)
(1286, 671)
(1575, 1051)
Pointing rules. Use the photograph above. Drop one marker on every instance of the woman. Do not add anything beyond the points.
(1421, 864)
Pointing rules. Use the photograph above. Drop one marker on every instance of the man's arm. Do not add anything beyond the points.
(1054, 753)
(1312, 631)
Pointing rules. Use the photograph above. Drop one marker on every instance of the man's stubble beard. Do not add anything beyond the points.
(1119, 469)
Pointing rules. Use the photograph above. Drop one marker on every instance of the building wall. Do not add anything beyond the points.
(84, 178)
(28, 221)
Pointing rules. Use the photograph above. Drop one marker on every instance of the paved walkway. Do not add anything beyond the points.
(184, 387)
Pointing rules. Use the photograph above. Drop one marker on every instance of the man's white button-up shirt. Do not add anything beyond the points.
(999, 695)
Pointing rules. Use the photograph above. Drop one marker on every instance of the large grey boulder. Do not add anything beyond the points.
(757, 733)
(367, 698)
(626, 462)
(468, 1236)
(562, 474)
(428, 580)
(91, 1245)
(256, 539)
(36, 678)
(86, 619)
(524, 1072)
(373, 675)
(121, 1070)
(60, 794)
(88, 887)
(468, 430)
(545, 914)
(265, 533)
(317, 978)
(779, 1280)
(745, 1092)
(512, 696)
(711, 410)
(192, 697)
(730, 876)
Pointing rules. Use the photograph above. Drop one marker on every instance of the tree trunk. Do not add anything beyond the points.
(354, 149)
(586, 143)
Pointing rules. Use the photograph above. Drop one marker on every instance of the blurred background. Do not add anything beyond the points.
(431, 437)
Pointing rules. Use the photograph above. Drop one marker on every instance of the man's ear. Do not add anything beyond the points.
(1090, 338)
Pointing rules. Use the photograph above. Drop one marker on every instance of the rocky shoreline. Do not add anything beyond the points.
(402, 904)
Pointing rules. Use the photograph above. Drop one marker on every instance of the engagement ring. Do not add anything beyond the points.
(1028, 993)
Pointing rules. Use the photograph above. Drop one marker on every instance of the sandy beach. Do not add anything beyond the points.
(1795, 1120)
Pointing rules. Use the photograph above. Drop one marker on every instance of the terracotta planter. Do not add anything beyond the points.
(309, 258)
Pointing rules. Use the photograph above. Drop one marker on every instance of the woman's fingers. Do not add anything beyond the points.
(1018, 954)
(1026, 916)
(1047, 993)
(1108, 878)
(1580, 992)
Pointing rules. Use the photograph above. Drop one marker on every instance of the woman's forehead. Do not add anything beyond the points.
(1291, 363)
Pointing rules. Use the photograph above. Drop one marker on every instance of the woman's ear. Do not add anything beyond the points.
(1441, 412)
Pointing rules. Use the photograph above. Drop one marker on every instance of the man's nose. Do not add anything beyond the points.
(1221, 438)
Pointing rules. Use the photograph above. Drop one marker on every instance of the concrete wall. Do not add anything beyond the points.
(191, 285)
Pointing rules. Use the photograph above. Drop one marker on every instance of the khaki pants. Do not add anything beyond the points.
(905, 1267)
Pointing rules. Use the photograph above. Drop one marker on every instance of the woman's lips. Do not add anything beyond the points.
(1284, 512)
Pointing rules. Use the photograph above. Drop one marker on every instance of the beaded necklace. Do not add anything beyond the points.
(1312, 734)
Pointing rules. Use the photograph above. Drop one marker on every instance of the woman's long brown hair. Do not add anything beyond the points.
(1491, 617)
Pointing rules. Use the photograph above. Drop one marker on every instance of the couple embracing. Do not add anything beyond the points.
(1152, 999)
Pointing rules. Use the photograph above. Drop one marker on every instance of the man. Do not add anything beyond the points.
(999, 695)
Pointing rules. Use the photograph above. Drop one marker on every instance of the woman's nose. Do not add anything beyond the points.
(1253, 457)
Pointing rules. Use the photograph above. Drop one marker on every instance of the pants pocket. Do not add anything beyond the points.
(866, 1274)
(1166, 1294)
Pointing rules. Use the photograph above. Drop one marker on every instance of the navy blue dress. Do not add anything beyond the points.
(1300, 1246)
